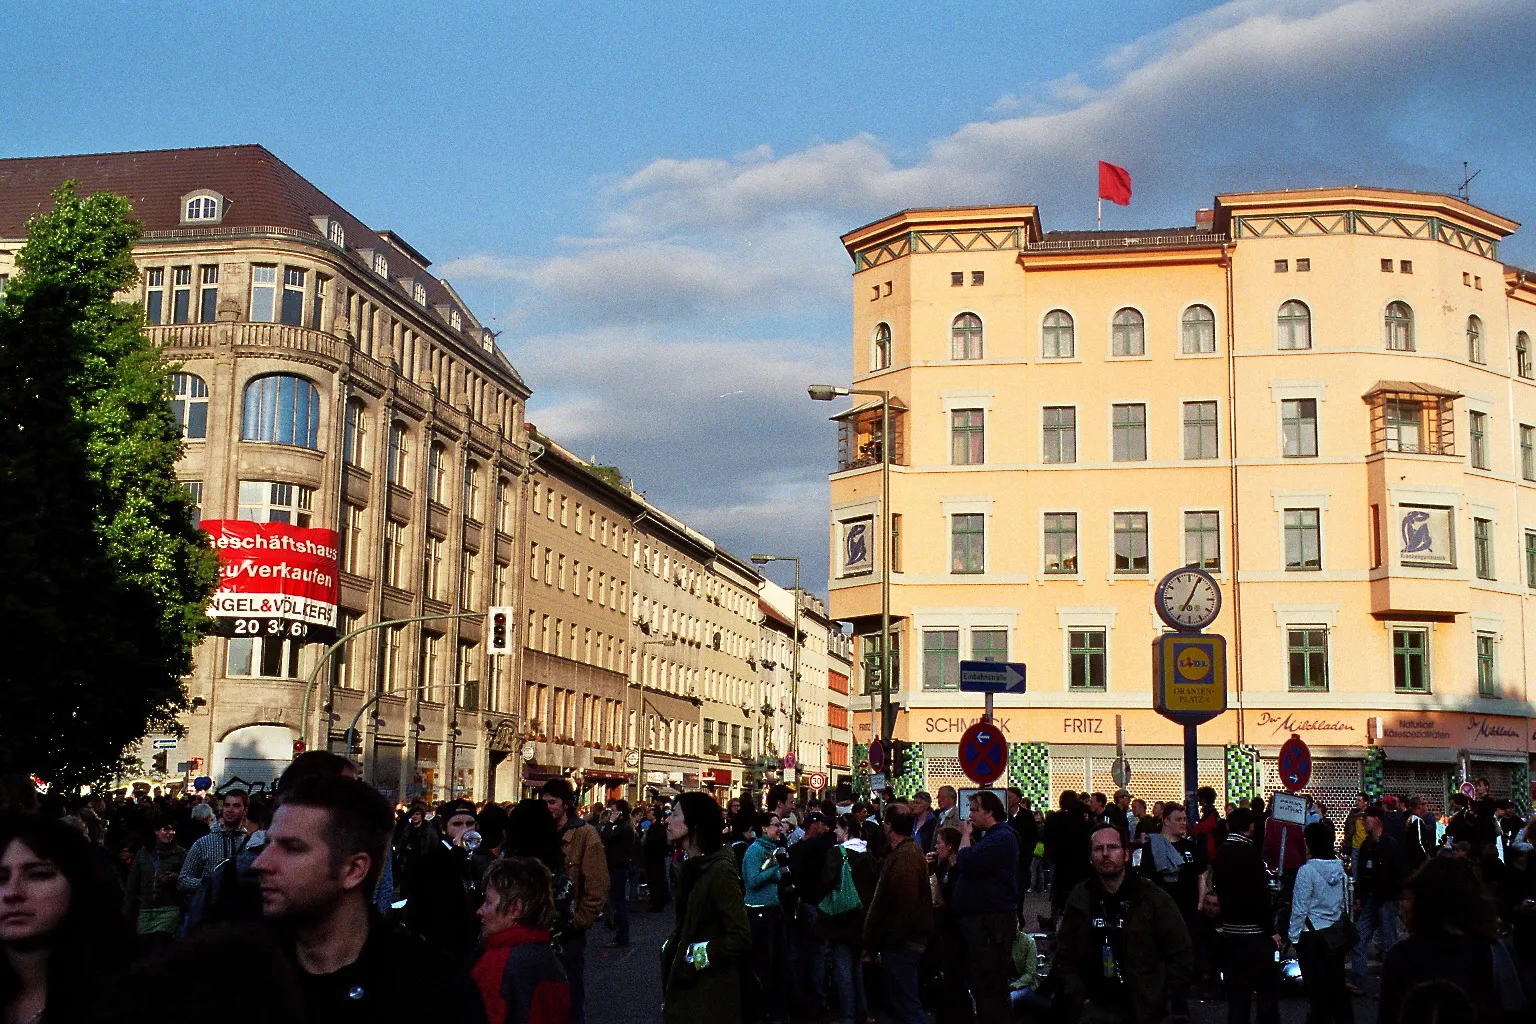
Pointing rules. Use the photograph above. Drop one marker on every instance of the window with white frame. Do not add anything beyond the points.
(472, 490)
(381, 265)
(437, 473)
(353, 547)
(1199, 330)
(202, 209)
(208, 302)
(293, 296)
(355, 443)
(264, 656)
(1128, 333)
(399, 455)
(181, 295)
(268, 501)
(394, 554)
(263, 293)
(154, 295)
(189, 404)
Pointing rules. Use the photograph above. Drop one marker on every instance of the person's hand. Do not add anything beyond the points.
(965, 829)
(1279, 943)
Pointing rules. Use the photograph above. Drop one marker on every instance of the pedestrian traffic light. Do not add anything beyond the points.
(501, 630)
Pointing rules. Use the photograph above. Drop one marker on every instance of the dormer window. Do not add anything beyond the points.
(381, 265)
(202, 207)
(488, 341)
(454, 320)
(337, 234)
(419, 293)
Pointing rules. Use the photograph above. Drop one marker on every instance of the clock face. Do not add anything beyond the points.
(1188, 599)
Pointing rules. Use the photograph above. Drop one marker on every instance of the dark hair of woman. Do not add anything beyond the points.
(1446, 896)
(704, 819)
(492, 825)
(1319, 839)
(94, 937)
(848, 823)
(951, 837)
(531, 832)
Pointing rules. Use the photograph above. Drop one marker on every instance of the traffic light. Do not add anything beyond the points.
(501, 630)
(159, 761)
(901, 757)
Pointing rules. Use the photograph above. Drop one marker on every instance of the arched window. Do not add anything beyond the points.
(1057, 336)
(189, 404)
(1199, 330)
(1128, 334)
(282, 409)
(1523, 354)
(1399, 327)
(965, 337)
(399, 455)
(880, 348)
(437, 473)
(356, 441)
(1475, 350)
(472, 490)
(1294, 326)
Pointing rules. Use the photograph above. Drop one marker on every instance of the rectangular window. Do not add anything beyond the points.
(957, 279)
(989, 645)
(1477, 427)
(1303, 265)
(394, 638)
(1130, 433)
(895, 542)
(967, 437)
(1482, 547)
(293, 296)
(394, 554)
(1406, 266)
(1530, 559)
(1131, 542)
(352, 548)
(967, 543)
(317, 303)
(1404, 422)
(467, 580)
(208, 304)
(1527, 452)
(399, 456)
(263, 294)
(1200, 430)
(154, 295)
(181, 295)
(270, 657)
(1487, 668)
(1386, 266)
(1060, 434)
(264, 501)
(195, 494)
(978, 277)
(434, 568)
(1088, 652)
(941, 659)
(1281, 266)
(431, 669)
(1410, 667)
(1061, 542)
(1303, 539)
(1298, 428)
(1307, 654)
(1202, 539)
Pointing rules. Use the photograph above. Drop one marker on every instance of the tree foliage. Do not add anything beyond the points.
(106, 580)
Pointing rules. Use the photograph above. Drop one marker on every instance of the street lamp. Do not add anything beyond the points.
(794, 671)
(644, 731)
(826, 393)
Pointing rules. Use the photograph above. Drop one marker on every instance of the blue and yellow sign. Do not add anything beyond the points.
(1189, 674)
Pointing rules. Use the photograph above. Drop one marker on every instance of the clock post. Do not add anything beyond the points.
(1189, 667)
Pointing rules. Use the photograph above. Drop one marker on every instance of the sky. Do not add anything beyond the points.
(645, 199)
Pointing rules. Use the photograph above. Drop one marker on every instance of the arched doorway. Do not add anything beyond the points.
(253, 754)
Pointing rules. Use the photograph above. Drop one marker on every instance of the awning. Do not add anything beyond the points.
(1421, 755)
(1408, 387)
(1503, 756)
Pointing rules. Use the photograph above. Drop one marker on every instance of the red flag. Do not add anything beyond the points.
(1114, 184)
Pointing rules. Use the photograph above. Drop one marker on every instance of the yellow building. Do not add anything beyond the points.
(1323, 396)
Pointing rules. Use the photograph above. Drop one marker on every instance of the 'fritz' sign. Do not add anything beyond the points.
(274, 579)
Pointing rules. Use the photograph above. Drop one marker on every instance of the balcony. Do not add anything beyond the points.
(858, 437)
(1410, 418)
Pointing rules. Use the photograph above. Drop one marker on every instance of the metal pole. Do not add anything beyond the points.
(885, 571)
(1191, 768)
(314, 675)
(794, 681)
(352, 729)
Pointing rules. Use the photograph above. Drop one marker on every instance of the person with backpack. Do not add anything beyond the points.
(1320, 927)
(849, 878)
(226, 840)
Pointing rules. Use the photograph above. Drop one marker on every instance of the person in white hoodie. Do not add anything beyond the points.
(1321, 899)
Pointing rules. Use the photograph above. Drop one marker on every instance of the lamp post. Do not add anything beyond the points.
(644, 732)
(794, 654)
(826, 393)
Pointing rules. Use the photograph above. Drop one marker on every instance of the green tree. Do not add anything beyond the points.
(106, 580)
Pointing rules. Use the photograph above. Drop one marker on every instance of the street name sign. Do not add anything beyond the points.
(992, 677)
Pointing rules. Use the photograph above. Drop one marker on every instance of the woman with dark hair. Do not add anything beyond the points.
(699, 963)
(1319, 920)
(56, 895)
(844, 931)
(531, 832)
(1447, 961)
(150, 900)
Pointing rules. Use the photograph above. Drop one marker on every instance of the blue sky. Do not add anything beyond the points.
(646, 198)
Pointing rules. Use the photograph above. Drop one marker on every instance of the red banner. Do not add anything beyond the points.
(273, 572)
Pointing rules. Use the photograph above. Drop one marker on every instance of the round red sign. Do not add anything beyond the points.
(1295, 763)
(983, 752)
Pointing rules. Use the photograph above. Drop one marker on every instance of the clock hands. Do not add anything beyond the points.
(1185, 606)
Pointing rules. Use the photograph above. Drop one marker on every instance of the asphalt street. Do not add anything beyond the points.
(624, 985)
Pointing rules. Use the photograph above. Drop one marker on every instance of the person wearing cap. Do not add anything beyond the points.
(444, 889)
(587, 867)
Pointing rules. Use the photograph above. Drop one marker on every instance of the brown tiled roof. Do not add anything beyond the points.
(260, 191)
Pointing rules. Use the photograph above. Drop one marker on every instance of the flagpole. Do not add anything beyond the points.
(1101, 213)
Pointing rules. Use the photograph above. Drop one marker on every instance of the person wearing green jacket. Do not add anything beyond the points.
(150, 900)
(700, 962)
(1024, 983)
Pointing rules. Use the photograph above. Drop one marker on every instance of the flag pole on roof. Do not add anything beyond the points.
(1114, 185)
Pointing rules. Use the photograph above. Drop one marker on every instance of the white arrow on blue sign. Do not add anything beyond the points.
(163, 743)
(992, 676)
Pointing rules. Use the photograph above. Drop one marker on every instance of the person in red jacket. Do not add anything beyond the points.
(517, 972)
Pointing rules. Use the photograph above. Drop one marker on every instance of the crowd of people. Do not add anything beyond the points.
(344, 908)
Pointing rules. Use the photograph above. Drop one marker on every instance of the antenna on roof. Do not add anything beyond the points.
(1465, 191)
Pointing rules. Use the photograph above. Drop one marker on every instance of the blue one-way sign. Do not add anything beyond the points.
(992, 676)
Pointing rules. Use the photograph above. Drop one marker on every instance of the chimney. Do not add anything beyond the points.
(1205, 220)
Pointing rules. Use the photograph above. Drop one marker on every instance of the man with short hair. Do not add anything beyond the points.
(1247, 924)
(325, 849)
(445, 891)
(1021, 818)
(1118, 813)
(985, 903)
(900, 916)
(1419, 841)
(949, 813)
(925, 822)
(1122, 950)
(618, 837)
(587, 868)
(807, 953)
(1378, 884)
(226, 839)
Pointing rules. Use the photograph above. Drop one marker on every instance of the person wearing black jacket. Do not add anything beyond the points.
(808, 952)
(1378, 886)
(656, 851)
(985, 903)
(1418, 836)
(1022, 820)
(1249, 936)
(618, 837)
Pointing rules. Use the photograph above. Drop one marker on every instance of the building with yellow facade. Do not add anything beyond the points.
(1324, 396)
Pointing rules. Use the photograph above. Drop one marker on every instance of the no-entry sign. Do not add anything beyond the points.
(983, 752)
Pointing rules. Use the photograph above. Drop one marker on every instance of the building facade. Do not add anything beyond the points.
(326, 379)
(1324, 397)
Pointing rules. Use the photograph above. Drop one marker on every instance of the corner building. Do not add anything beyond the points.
(327, 379)
(1325, 397)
